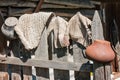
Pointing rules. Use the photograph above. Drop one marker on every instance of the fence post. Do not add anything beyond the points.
(101, 71)
(3, 44)
(42, 54)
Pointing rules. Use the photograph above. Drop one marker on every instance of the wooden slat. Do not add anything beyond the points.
(107, 0)
(4, 72)
(101, 72)
(47, 5)
(70, 3)
(15, 11)
(15, 70)
(78, 56)
(59, 54)
(42, 54)
(97, 33)
(48, 64)
(38, 7)
(14, 3)
(3, 44)
(97, 27)
(27, 72)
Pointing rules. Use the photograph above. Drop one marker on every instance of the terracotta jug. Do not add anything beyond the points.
(101, 51)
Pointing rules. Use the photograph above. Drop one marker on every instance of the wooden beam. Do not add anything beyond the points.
(80, 5)
(108, 0)
(48, 64)
(14, 3)
(101, 71)
(38, 7)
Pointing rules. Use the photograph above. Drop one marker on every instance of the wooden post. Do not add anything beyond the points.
(3, 45)
(58, 54)
(42, 54)
(26, 70)
(101, 71)
(78, 56)
(15, 70)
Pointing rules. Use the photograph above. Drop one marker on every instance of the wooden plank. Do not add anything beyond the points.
(101, 72)
(15, 70)
(70, 3)
(48, 64)
(57, 54)
(15, 11)
(14, 3)
(38, 7)
(97, 33)
(70, 59)
(78, 56)
(4, 72)
(107, 0)
(42, 54)
(71, 12)
(108, 71)
(3, 45)
(97, 29)
(48, 5)
(27, 72)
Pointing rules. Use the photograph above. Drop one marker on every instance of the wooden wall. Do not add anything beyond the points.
(65, 8)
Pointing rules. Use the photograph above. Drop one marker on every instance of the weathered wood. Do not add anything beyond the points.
(97, 28)
(14, 3)
(107, 1)
(42, 54)
(48, 64)
(101, 71)
(14, 11)
(4, 72)
(97, 33)
(59, 54)
(78, 56)
(3, 45)
(15, 70)
(48, 5)
(70, 3)
(38, 7)
(108, 71)
(70, 59)
(27, 72)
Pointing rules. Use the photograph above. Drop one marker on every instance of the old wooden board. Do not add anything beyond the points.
(3, 67)
(15, 70)
(42, 54)
(97, 34)
(60, 55)
(78, 4)
(14, 3)
(26, 70)
(48, 64)
(101, 71)
(78, 56)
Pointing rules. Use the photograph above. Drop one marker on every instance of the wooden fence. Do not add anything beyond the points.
(49, 63)
(44, 64)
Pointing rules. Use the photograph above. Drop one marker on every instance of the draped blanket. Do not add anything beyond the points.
(30, 27)
(61, 31)
(78, 28)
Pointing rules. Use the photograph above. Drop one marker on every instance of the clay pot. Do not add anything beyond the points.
(8, 27)
(100, 50)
